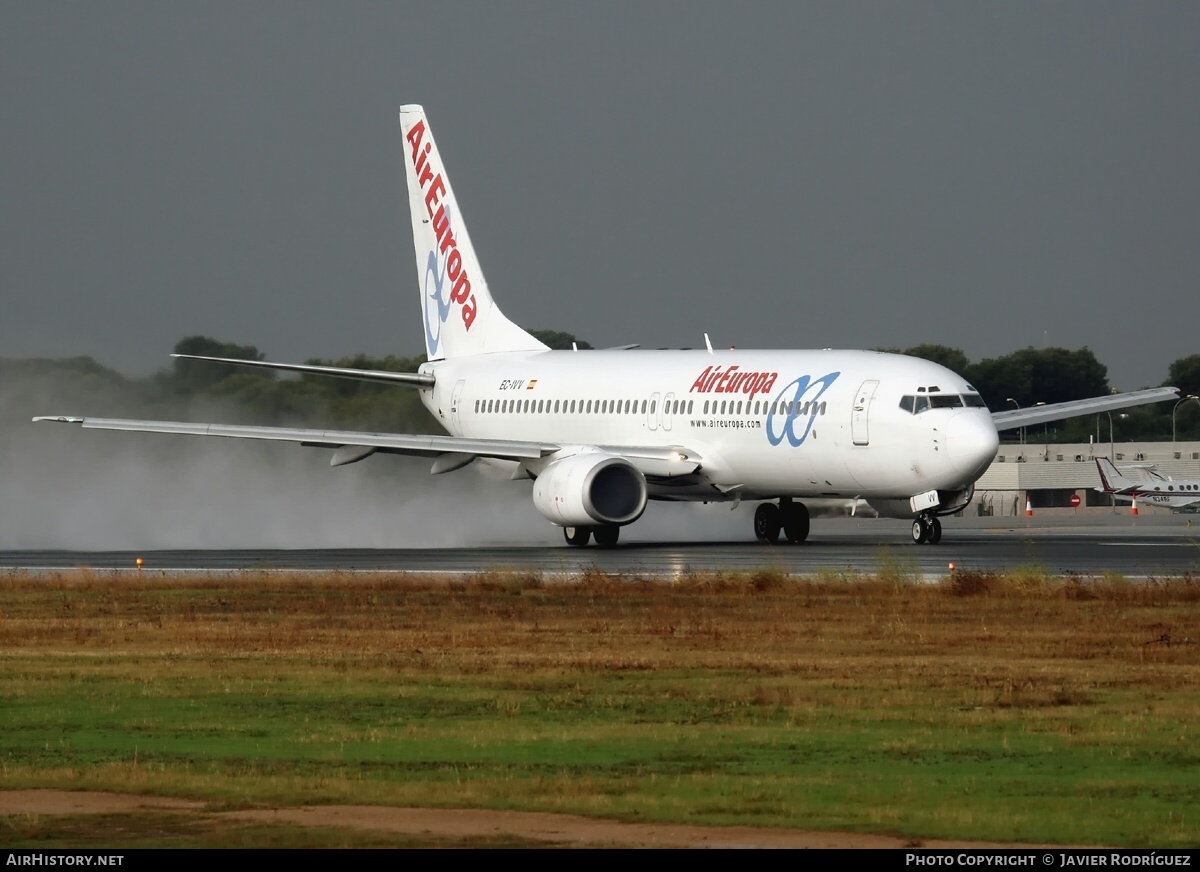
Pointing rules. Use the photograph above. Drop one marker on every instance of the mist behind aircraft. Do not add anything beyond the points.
(121, 491)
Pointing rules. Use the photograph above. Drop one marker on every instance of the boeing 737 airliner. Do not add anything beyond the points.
(602, 432)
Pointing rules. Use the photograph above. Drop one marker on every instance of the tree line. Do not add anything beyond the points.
(1030, 376)
(192, 388)
(1021, 379)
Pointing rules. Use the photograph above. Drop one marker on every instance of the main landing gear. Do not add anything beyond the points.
(791, 518)
(606, 535)
(927, 529)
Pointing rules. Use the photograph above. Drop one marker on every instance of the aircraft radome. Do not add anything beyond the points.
(601, 433)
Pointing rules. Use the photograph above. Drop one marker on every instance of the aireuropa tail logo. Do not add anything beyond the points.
(437, 307)
(445, 262)
(794, 410)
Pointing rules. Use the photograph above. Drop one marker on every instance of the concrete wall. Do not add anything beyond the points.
(1018, 469)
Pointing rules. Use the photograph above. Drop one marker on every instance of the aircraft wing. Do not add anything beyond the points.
(414, 379)
(351, 446)
(395, 443)
(1011, 419)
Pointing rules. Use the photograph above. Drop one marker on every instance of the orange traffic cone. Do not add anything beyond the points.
(1028, 508)
(1134, 510)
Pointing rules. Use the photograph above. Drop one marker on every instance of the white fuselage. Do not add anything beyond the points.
(765, 424)
(1157, 490)
(1188, 500)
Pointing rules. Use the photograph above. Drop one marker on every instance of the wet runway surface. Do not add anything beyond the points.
(1159, 546)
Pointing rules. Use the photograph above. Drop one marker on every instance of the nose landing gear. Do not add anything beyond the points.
(927, 529)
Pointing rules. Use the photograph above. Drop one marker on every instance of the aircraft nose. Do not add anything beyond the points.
(971, 443)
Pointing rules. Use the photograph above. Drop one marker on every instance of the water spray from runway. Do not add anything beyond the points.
(65, 488)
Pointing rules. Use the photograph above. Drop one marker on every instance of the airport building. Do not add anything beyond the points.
(1046, 475)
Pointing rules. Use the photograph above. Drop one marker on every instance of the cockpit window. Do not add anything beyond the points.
(915, 405)
(946, 401)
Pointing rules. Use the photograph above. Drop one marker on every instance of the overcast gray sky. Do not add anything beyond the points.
(985, 175)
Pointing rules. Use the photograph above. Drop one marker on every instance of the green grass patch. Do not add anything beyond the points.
(1009, 708)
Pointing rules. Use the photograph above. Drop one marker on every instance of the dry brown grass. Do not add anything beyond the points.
(971, 624)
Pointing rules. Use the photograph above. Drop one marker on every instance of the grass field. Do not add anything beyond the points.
(1009, 708)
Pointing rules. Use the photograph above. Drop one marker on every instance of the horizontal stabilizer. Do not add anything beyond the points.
(412, 379)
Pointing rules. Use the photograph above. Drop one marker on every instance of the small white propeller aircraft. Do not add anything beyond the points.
(1180, 495)
(602, 432)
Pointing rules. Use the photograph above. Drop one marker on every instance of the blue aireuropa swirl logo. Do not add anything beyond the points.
(797, 402)
(436, 314)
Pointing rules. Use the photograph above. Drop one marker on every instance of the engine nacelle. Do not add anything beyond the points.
(589, 489)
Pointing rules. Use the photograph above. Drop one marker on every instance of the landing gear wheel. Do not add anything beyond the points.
(577, 536)
(606, 536)
(935, 531)
(767, 523)
(795, 521)
(920, 531)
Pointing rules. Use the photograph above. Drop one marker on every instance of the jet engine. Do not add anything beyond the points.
(590, 489)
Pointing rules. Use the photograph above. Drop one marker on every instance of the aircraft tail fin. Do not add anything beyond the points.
(1111, 479)
(460, 317)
